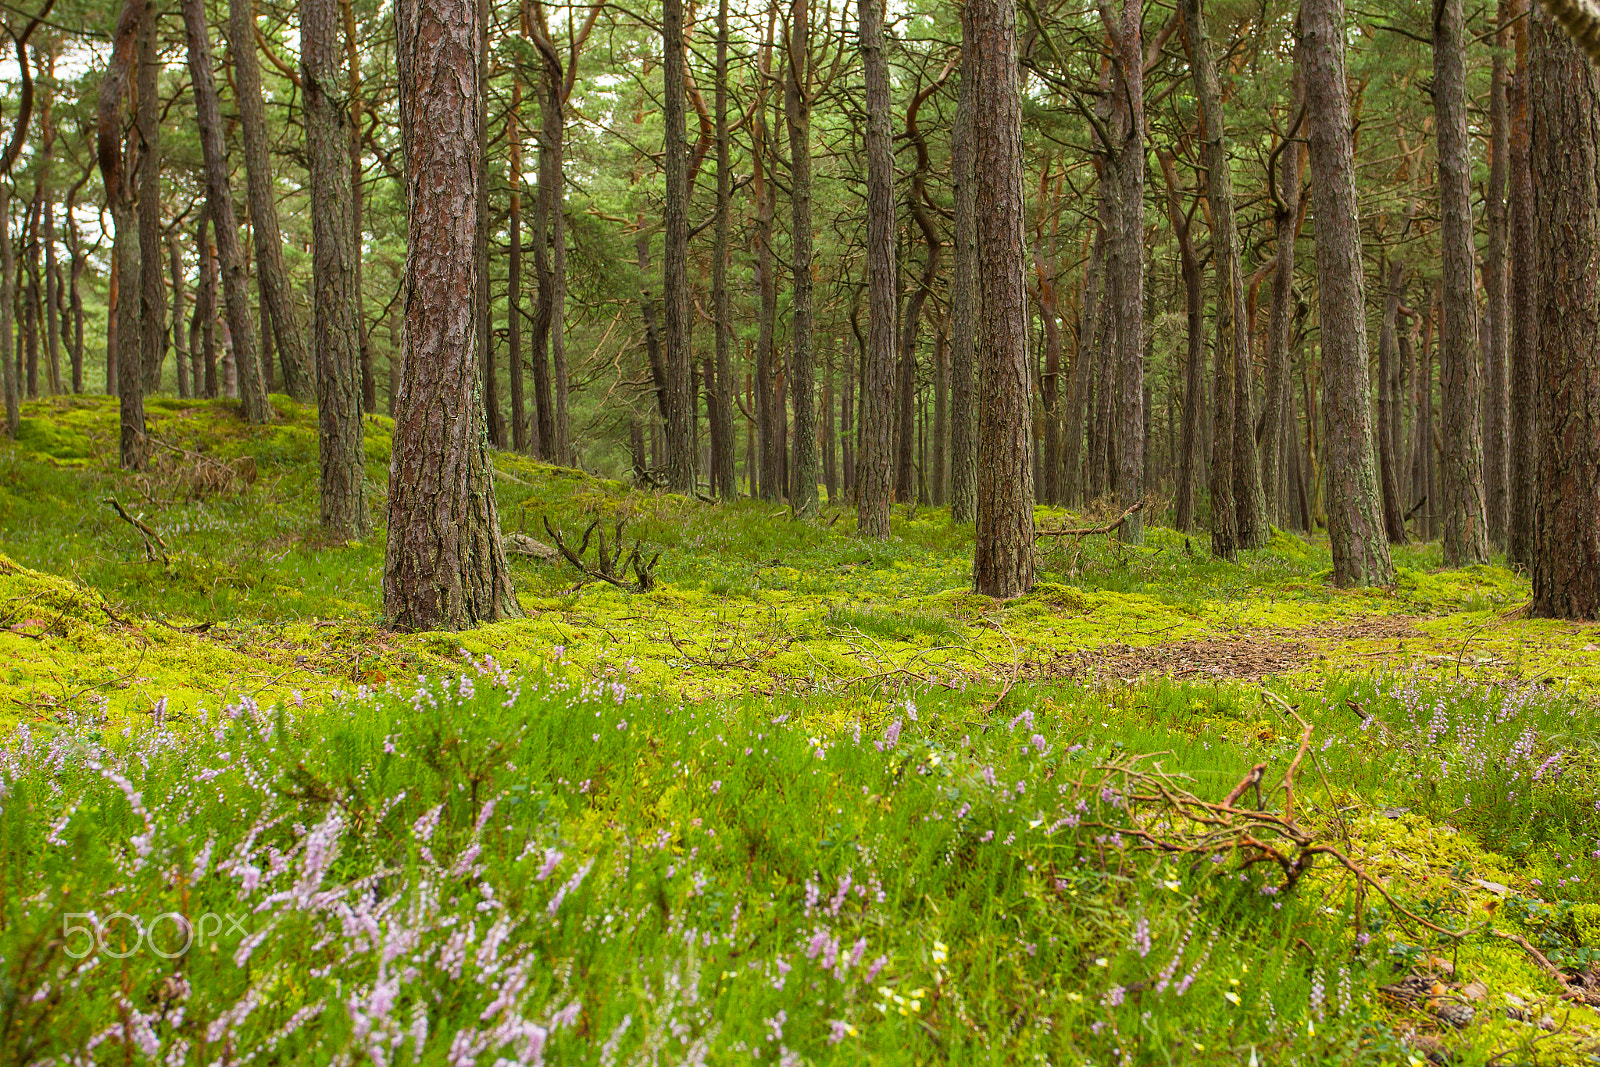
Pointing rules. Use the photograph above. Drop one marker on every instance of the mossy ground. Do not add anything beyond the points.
(1156, 649)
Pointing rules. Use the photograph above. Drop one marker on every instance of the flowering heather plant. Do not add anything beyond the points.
(495, 868)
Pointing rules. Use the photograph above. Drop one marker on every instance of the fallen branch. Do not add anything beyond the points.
(607, 565)
(1086, 531)
(153, 544)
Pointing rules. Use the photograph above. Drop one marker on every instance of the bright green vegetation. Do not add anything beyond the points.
(618, 829)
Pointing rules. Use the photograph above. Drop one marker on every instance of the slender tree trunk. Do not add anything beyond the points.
(152, 289)
(122, 344)
(802, 352)
(1002, 563)
(722, 401)
(1388, 458)
(939, 464)
(352, 51)
(1496, 285)
(1465, 531)
(179, 347)
(241, 330)
(30, 295)
(1355, 518)
(445, 566)
(1080, 392)
(1126, 266)
(519, 404)
(8, 282)
(338, 346)
(1287, 217)
(963, 305)
(1194, 366)
(272, 277)
(1524, 343)
(202, 327)
(875, 441)
(766, 347)
(675, 255)
(1564, 102)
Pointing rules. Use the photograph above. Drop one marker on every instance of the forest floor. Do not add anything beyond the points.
(975, 831)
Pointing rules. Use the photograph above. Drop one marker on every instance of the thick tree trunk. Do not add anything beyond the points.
(1564, 102)
(722, 402)
(1465, 530)
(336, 337)
(802, 352)
(1388, 448)
(675, 355)
(272, 278)
(1355, 518)
(123, 375)
(208, 115)
(445, 566)
(1002, 563)
(1523, 354)
(874, 458)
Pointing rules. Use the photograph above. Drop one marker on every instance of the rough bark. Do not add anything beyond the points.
(963, 305)
(1287, 215)
(122, 350)
(1523, 353)
(1081, 386)
(911, 315)
(802, 351)
(1125, 266)
(874, 459)
(1496, 426)
(514, 357)
(219, 200)
(1564, 101)
(1355, 520)
(340, 450)
(180, 348)
(445, 566)
(1465, 528)
(766, 197)
(272, 277)
(677, 320)
(152, 287)
(1003, 555)
(722, 312)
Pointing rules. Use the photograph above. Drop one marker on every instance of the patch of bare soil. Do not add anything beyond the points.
(1242, 657)
(1369, 628)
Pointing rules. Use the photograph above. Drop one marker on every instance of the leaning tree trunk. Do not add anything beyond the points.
(802, 352)
(1523, 355)
(1564, 99)
(219, 200)
(1002, 564)
(1126, 267)
(340, 446)
(1355, 517)
(963, 305)
(874, 462)
(445, 567)
(1465, 526)
(272, 277)
(675, 355)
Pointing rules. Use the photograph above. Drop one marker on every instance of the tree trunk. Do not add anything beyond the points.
(802, 352)
(1126, 266)
(1287, 203)
(179, 348)
(369, 381)
(1388, 460)
(1355, 519)
(1194, 367)
(874, 453)
(152, 287)
(445, 567)
(766, 196)
(963, 305)
(519, 403)
(272, 278)
(202, 332)
(1496, 283)
(675, 356)
(337, 341)
(1564, 102)
(1002, 563)
(1465, 530)
(1523, 353)
(722, 402)
(122, 344)
(208, 115)
(8, 282)
(1080, 391)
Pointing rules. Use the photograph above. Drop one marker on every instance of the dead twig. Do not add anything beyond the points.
(153, 544)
